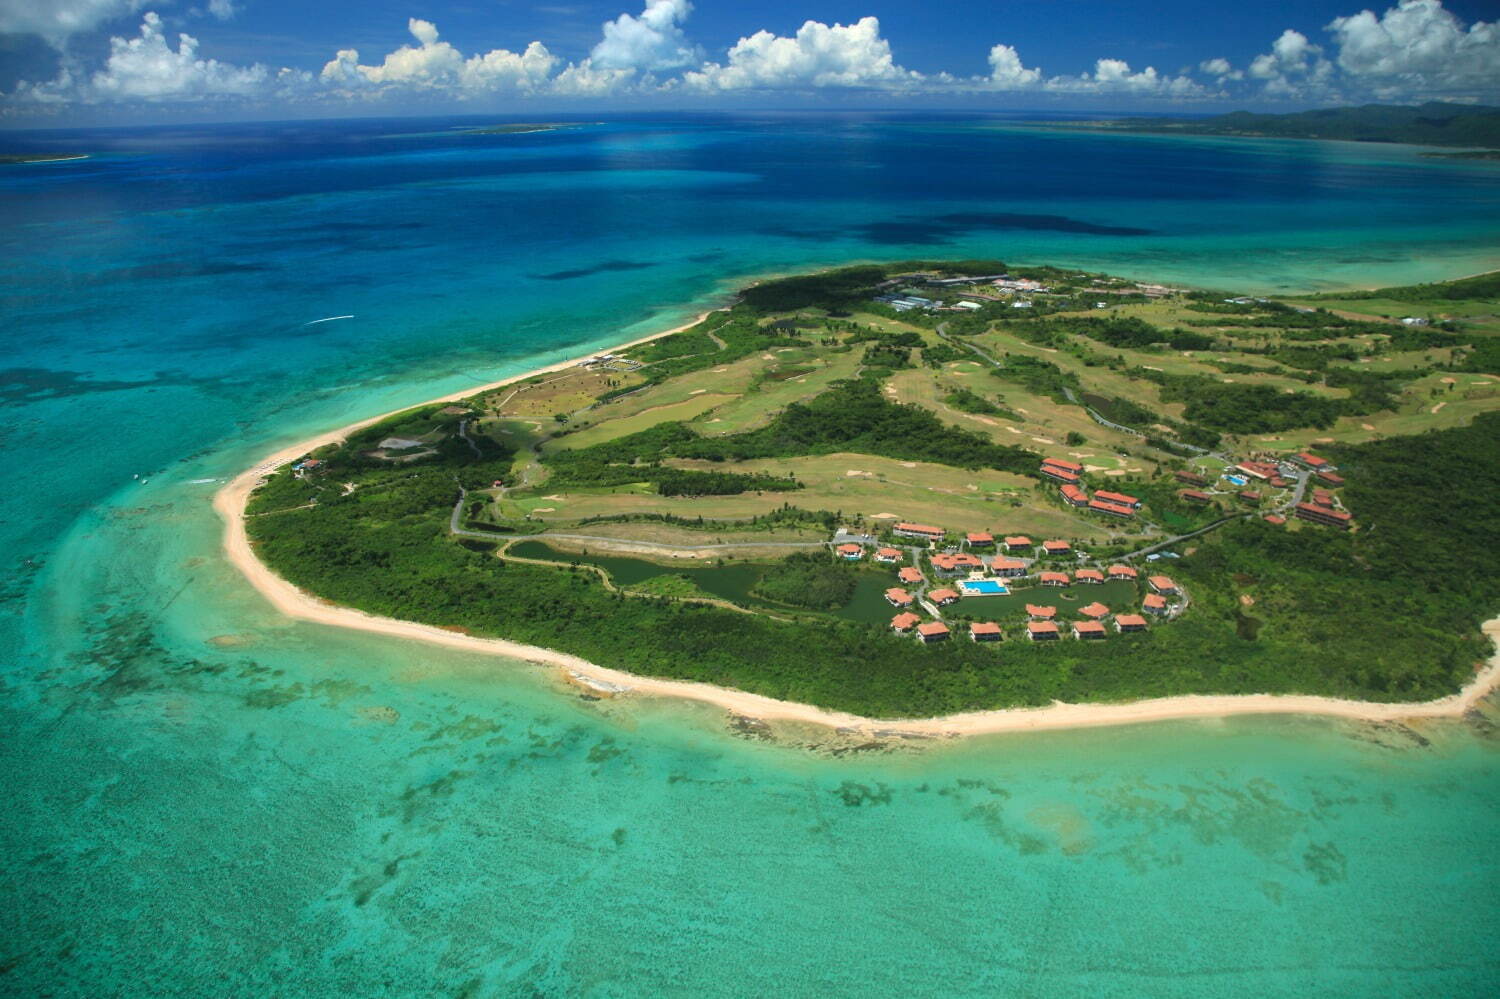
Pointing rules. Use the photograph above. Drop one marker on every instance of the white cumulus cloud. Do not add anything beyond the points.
(1114, 76)
(1007, 72)
(651, 42)
(433, 64)
(819, 55)
(1418, 47)
(146, 67)
(1294, 67)
(1220, 69)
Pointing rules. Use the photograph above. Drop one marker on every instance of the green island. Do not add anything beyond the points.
(1435, 123)
(938, 486)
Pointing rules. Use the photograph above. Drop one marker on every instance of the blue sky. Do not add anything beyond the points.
(67, 61)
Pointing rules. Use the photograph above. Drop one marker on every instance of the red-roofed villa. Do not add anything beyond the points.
(984, 631)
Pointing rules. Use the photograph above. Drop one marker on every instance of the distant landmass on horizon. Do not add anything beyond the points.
(1434, 124)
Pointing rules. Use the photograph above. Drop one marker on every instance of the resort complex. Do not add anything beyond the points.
(802, 492)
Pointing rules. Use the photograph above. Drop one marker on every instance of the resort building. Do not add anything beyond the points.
(1122, 572)
(1257, 469)
(1322, 497)
(904, 622)
(1275, 518)
(1113, 509)
(984, 631)
(1037, 613)
(1008, 568)
(1163, 585)
(1281, 482)
(1089, 576)
(1056, 547)
(889, 556)
(1154, 604)
(944, 597)
(1331, 478)
(1073, 495)
(1054, 579)
(922, 532)
(933, 631)
(1118, 499)
(851, 552)
(1062, 471)
(1017, 543)
(1129, 622)
(1189, 479)
(1088, 629)
(1312, 462)
(957, 564)
(909, 574)
(898, 597)
(1042, 631)
(980, 539)
(1194, 496)
(1323, 515)
(1095, 611)
(1249, 495)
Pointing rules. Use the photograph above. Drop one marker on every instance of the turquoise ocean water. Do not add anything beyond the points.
(206, 799)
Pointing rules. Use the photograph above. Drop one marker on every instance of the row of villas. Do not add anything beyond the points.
(1069, 474)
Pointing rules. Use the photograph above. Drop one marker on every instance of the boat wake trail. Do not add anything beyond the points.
(328, 320)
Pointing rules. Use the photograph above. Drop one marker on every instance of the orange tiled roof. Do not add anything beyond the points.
(1041, 627)
(1055, 577)
(1071, 466)
(984, 628)
(1130, 621)
(904, 622)
(1094, 610)
(1043, 612)
(932, 629)
(1123, 571)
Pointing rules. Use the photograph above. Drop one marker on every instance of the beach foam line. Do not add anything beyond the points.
(230, 503)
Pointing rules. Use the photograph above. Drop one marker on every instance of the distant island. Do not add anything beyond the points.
(1430, 124)
(15, 158)
(517, 129)
(934, 487)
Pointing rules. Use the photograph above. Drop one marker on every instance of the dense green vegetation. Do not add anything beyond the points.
(1434, 123)
(814, 580)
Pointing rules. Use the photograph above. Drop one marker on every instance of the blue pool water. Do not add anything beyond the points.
(1238, 480)
(204, 798)
(984, 587)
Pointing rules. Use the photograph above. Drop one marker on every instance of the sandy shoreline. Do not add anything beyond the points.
(230, 503)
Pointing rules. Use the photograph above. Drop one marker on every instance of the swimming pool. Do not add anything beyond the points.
(1238, 480)
(983, 588)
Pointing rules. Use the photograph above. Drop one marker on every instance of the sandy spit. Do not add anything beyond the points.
(230, 504)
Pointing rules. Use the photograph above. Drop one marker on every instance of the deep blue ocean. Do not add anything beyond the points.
(206, 799)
